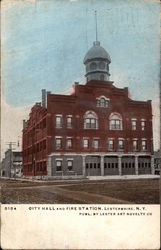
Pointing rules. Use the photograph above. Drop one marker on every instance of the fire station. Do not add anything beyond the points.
(97, 130)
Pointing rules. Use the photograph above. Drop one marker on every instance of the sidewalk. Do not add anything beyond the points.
(123, 177)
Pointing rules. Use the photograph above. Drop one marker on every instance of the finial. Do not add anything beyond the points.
(96, 23)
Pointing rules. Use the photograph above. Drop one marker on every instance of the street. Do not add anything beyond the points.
(142, 191)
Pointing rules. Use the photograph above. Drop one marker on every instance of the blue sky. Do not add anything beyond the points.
(44, 43)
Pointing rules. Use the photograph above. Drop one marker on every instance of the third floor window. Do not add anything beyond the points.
(90, 120)
(69, 121)
(115, 121)
(133, 124)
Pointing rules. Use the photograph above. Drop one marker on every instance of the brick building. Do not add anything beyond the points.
(97, 130)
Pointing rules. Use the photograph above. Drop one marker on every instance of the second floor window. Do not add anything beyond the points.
(90, 120)
(58, 121)
(110, 144)
(120, 144)
(69, 143)
(58, 143)
(85, 143)
(144, 145)
(135, 145)
(95, 143)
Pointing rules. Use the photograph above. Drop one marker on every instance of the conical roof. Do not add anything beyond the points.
(96, 51)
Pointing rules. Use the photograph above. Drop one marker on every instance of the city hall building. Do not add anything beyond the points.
(97, 130)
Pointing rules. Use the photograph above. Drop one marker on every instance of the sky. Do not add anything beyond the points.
(44, 43)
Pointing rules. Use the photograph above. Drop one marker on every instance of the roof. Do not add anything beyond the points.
(96, 51)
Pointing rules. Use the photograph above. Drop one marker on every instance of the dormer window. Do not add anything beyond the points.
(103, 102)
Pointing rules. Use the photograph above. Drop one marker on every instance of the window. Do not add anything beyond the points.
(69, 143)
(58, 165)
(69, 121)
(102, 77)
(115, 121)
(44, 123)
(59, 121)
(93, 66)
(85, 143)
(135, 145)
(58, 142)
(103, 102)
(70, 165)
(44, 144)
(95, 143)
(142, 124)
(102, 65)
(110, 144)
(144, 145)
(90, 120)
(121, 144)
(133, 124)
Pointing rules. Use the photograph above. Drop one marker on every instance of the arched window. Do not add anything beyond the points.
(90, 120)
(115, 121)
(93, 66)
(103, 102)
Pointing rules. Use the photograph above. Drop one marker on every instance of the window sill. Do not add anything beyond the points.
(91, 128)
(112, 129)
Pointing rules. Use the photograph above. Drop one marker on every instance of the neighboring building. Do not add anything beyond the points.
(11, 165)
(157, 162)
(97, 130)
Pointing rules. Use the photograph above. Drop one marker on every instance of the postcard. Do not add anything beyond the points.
(80, 124)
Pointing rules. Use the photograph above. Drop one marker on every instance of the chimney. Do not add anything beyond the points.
(43, 98)
(24, 124)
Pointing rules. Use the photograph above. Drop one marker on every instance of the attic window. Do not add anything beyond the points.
(102, 102)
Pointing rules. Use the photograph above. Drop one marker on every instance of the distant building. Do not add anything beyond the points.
(157, 162)
(97, 130)
(11, 165)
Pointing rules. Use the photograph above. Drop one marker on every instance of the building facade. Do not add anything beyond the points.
(98, 130)
(11, 165)
(157, 162)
